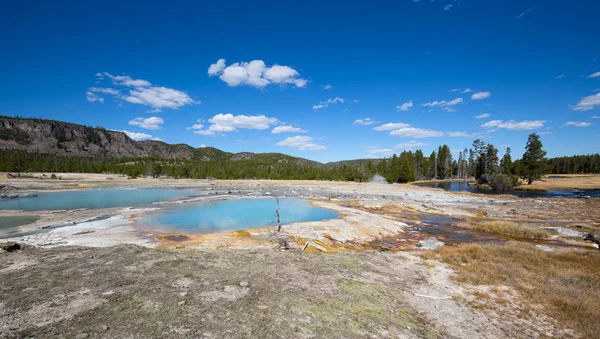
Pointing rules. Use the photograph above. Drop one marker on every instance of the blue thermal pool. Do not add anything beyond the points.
(93, 198)
(229, 215)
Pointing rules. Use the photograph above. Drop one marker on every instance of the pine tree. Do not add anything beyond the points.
(506, 163)
(533, 164)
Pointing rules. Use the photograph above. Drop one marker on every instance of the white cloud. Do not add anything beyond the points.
(410, 145)
(222, 123)
(202, 146)
(524, 13)
(140, 136)
(448, 7)
(588, 103)
(514, 125)
(255, 73)
(466, 90)
(143, 93)
(578, 124)
(204, 132)
(480, 95)
(91, 97)
(595, 75)
(596, 117)
(405, 106)
(560, 76)
(104, 90)
(379, 152)
(483, 116)
(158, 97)
(287, 129)
(328, 86)
(152, 123)
(443, 103)
(217, 67)
(460, 134)
(123, 80)
(302, 143)
(365, 122)
(413, 132)
(391, 126)
(328, 102)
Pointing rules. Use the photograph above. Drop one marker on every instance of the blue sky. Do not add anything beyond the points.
(321, 80)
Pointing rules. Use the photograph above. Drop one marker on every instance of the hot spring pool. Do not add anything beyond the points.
(92, 198)
(230, 215)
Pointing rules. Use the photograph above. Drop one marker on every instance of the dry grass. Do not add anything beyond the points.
(565, 182)
(565, 284)
(510, 229)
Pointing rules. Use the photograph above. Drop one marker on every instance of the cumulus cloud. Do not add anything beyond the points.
(443, 103)
(460, 134)
(596, 117)
(302, 143)
(328, 86)
(414, 132)
(104, 90)
(152, 123)
(326, 103)
(287, 129)
(595, 75)
(255, 73)
(410, 145)
(578, 124)
(143, 93)
(365, 122)
(91, 97)
(560, 76)
(217, 67)
(405, 106)
(448, 7)
(222, 123)
(400, 129)
(514, 125)
(140, 136)
(466, 90)
(588, 103)
(483, 116)
(391, 126)
(480, 95)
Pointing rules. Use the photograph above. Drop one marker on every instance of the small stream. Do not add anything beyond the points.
(463, 186)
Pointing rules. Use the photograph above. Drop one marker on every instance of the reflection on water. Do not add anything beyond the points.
(229, 215)
(463, 186)
(94, 198)
(9, 222)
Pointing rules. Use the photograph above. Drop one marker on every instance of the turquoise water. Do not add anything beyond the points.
(229, 215)
(94, 198)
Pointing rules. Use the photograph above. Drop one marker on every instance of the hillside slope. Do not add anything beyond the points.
(63, 138)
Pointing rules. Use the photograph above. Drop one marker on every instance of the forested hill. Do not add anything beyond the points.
(67, 139)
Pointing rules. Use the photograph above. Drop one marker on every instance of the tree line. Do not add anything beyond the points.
(481, 161)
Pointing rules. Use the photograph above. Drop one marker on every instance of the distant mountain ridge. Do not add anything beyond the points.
(68, 139)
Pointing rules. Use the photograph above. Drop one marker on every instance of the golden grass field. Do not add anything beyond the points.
(563, 182)
(564, 284)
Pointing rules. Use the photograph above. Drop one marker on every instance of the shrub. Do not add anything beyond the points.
(501, 183)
